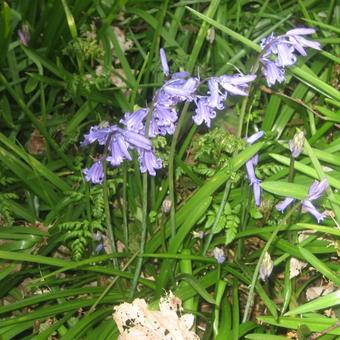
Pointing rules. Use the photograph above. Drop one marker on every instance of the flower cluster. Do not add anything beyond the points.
(119, 142)
(316, 190)
(279, 52)
(219, 88)
(179, 88)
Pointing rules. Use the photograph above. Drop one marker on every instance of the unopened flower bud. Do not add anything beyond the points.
(266, 268)
(24, 35)
(166, 206)
(198, 234)
(97, 236)
(296, 144)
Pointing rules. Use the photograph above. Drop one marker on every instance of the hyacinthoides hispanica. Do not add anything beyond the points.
(137, 129)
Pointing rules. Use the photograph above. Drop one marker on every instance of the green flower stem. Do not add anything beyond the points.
(108, 216)
(107, 206)
(171, 171)
(242, 115)
(144, 218)
(218, 216)
(186, 268)
(143, 237)
(125, 208)
(291, 170)
(259, 262)
(291, 235)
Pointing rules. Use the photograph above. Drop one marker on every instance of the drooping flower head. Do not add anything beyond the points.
(296, 144)
(119, 143)
(250, 167)
(148, 161)
(316, 190)
(219, 89)
(279, 52)
(135, 121)
(204, 112)
(219, 255)
(95, 174)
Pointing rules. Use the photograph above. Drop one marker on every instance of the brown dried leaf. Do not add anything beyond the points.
(295, 267)
(137, 321)
(36, 144)
(315, 292)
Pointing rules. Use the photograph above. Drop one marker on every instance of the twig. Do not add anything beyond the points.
(324, 332)
(297, 101)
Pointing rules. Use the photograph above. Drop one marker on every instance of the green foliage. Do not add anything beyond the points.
(88, 62)
(214, 146)
(229, 221)
(213, 150)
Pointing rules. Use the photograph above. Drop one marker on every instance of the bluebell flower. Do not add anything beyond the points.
(180, 90)
(285, 54)
(298, 42)
(316, 190)
(180, 75)
(148, 161)
(95, 174)
(278, 52)
(250, 167)
(164, 62)
(219, 88)
(255, 137)
(219, 255)
(119, 143)
(122, 141)
(118, 150)
(204, 112)
(98, 133)
(164, 115)
(236, 84)
(282, 206)
(254, 182)
(273, 73)
(215, 98)
(307, 206)
(135, 139)
(134, 121)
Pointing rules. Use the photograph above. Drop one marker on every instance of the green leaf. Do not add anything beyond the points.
(226, 30)
(320, 266)
(311, 80)
(305, 169)
(258, 336)
(286, 189)
(328, 114)
(315, 324)
(5, 29)
(194, 283)
(70, 20)
(330, 300)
